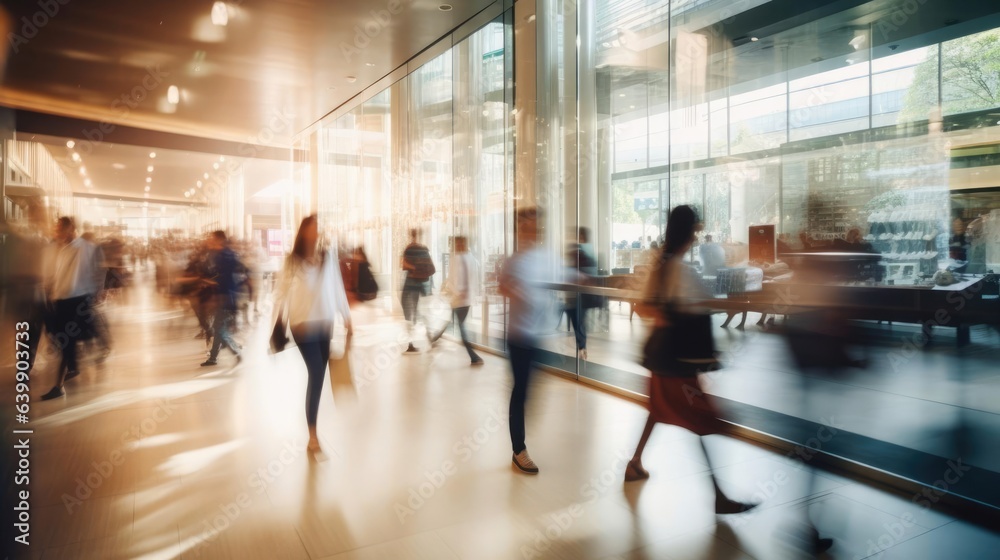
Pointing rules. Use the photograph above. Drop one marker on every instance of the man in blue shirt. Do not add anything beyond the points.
(225, 266)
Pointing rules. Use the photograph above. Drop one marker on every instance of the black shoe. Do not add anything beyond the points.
(72, 373)
(411, 349)
(209, 362)
(54, 393)
(478, 362)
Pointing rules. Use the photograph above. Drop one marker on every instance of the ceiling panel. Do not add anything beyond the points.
(276, 67)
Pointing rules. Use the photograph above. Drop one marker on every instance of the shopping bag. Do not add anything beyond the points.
(341, 379)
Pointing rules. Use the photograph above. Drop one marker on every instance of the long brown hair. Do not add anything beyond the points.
(299, 248)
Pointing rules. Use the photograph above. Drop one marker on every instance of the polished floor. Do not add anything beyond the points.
(151, 456)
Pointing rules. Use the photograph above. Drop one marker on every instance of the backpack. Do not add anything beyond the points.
(366, 287)
(420, 258)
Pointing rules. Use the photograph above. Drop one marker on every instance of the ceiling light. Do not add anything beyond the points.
(187, 194)
(146, 188)
(445, 7)
(369, 64)
(83, 170)
(173, 95)
(215, 166)
(149, 169)
(70, 144)
(152, 154)
(76, 156)
(206, 175)
(351, 79)
(149, 179)
(220, 14)
(754, 39)
(86, 182)
(857, 42)
(199, 184)
(222, 158)
(118, 166)
(621, 95)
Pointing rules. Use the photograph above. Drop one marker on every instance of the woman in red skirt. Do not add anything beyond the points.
(675, 394)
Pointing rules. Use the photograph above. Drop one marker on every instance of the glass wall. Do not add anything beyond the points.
(838, 128)
(431, 151)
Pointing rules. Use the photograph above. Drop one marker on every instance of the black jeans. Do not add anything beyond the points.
(521, 359)
(225, 316)
(577, 315)
(460, 315)
(70, 323)
(315, 349)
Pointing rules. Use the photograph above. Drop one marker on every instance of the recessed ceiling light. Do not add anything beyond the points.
(187, 194)
(369, 64)
(199, 184)
(754, 39)
(70, 144)
(83, 170)
(149, 179)
(76, 156)
(351, 79)
(222, 158)
(173, 95)
(220, 14)
(152, 154)
(206, 175)
(215, 166)
(445, 7)
(149, 169)
(147, 188)
(86, 182)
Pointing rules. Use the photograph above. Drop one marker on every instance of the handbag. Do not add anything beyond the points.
(685, 347)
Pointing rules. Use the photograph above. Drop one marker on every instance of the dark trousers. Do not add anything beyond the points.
(461, 313)
(70, 323)
(410, 299)
(315, 350)
(225, 315)
(577, 315)
(521, 359)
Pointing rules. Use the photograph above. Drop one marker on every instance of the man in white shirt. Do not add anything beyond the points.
(75, 277)
(462, 278)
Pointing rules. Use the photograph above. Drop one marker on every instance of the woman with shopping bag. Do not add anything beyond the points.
(310, 295)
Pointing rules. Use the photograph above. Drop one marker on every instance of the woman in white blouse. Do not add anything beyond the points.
(310, 294)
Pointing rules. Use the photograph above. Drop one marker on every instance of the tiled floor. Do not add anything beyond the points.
(151, 456)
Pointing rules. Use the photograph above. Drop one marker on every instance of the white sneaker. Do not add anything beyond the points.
(524, 463)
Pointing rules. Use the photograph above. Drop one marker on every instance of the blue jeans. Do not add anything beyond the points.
(315, 350)
(225, 314)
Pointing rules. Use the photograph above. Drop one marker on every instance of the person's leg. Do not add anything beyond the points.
(520, 365)
(410, 298)
(723, 505)
(573, 314)
(634, 471)
(221, 335)
(461, 313)
(311, 348)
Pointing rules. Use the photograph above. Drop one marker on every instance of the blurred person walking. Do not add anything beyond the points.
(462, 275)
(679, 349)
(416, 262)
(583, 266)
(310, 294)
(528, 309)
(75, 278)
(225, 266)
